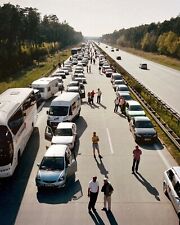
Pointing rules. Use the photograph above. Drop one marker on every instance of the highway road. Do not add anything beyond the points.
(161, 80)
(136, 200)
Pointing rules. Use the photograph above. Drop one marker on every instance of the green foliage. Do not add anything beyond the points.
(163, 38)
(23, 34)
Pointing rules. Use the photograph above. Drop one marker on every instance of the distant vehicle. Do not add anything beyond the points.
(116, 76)
(108, 72)
(18, 114)
(134, 109)
(60, 81)
(76, 90)
(122, 88)
(171, 186)
(61, 73)
(64, 108)
(65, 133)
(106, 46)
(55, 168)
(142, 129)
(48, 86)
(117, 49)
(116, 83)
(112, 49)
(118, 57)
(75, 50)
(143, 66)
(105, 67)
(127, 97)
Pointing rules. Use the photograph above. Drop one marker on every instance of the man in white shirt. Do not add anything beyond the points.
(93, 191)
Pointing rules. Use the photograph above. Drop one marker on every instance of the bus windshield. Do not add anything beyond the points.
(58, 110)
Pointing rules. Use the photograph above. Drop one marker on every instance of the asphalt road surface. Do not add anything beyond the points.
(136, 200)
(161, 80)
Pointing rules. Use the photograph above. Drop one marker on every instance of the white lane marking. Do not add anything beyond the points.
(109, 139)
(167, 164)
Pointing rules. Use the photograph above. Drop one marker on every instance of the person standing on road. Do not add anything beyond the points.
(89, 98)
(122, 104)
(93, 191)
(89, 68)
(108, 190)
(99, 69)
(99, 93)
(95, 145)
(92, 96)
(136, 158)
(116, 102)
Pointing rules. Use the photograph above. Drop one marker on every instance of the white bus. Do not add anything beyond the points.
(48, 86)
(18, 114)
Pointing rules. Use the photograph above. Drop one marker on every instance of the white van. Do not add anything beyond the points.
(65, 107)
(171, 186)
(56, 166)
(48, 86)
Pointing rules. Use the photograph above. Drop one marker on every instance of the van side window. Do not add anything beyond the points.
(177, 188)
(16, 121)
(73, 106)
(70, 110)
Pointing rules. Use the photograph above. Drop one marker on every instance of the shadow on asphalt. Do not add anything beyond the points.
(152, 190)
(111, 218)
(12, 189)
(153, 147)
(81, 126)
(72, 191)
(102, 168)
(96, 218)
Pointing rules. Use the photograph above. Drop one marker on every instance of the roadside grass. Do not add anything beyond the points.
(161, 59)
(26, 77)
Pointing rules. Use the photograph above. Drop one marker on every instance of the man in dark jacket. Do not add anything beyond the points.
(108, 190)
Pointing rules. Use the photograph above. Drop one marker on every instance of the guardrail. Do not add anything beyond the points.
(163, 114)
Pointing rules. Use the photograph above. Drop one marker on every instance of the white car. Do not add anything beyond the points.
(171, 186)
(65, 133)
(122, 88)
(116, 83)
(134, 109)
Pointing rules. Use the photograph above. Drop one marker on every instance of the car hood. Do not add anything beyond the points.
(50, 176)
(62, 139)
(149, 131)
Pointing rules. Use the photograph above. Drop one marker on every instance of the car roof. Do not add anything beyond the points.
(65, 125)
(141, 118)
(133, 102)
(123, 93)
(56, 151)
(72, 88)
(122, 85)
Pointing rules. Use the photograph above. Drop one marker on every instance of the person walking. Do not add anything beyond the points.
(99, 69)
(116, 102)
(93, 191)
(122, 104)
(99, 93)
(92, 96)
(95, 145)
(89, 98)
(107, 189)
(136, 158)
(89, 68)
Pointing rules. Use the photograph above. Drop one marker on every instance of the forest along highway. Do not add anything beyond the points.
(163, 81)
(136, 200)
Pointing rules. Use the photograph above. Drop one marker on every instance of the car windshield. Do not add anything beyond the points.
(127, 97)
(135, 108)
(122, 88)
(63, 132)
(58, 110)
(73, 84)
(117, 77)
(52, 163)
(144, 124)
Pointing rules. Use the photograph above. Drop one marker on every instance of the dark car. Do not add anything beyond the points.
(118, 57)
(142, 129)
(143, 66)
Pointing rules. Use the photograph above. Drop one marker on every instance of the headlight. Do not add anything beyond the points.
(61, 178)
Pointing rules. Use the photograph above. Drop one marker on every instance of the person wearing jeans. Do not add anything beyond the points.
(136, 158)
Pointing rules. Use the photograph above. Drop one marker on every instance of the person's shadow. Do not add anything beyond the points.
(96, 218)
(111, 218)
(152, 190)
(103, 106)
(102, 168)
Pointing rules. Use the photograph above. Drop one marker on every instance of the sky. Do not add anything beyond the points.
(98, 17)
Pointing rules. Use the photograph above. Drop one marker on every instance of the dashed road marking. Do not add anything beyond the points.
(110, 142)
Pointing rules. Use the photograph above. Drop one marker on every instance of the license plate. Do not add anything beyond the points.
(147, 139)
